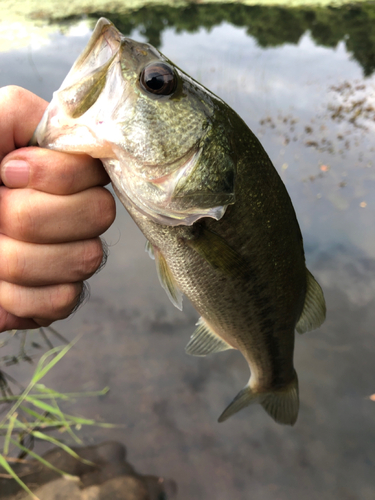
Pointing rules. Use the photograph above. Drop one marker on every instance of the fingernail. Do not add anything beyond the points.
(15, 174)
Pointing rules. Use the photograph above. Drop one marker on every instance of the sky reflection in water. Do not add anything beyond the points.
(290, 96)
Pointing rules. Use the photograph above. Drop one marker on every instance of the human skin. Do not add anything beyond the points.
(53, 207)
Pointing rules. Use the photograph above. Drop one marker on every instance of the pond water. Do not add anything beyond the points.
(313, 110)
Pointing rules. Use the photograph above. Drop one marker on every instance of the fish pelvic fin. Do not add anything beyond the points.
(165, 276)
(314, 309)
(149, 249)
(282, 405)
(205, 341)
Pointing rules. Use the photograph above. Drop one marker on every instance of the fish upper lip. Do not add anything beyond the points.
(116, 36)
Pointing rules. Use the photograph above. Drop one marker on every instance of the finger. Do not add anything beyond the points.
(37, 217)
(49, 303)
(21, 111)
(51, 171)
(10, 322)
(30, 264)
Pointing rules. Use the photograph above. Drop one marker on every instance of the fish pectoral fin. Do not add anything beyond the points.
(281, 405)
(167, 280)
(216, 251)
(150, 250)
(204, 341)
(314, 309)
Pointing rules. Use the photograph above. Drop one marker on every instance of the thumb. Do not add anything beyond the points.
(21, 111)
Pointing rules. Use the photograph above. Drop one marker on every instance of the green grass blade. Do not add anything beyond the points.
(11, 472)
(50, 439)
(9, 433)
(66, 425)
(59, 395)
(39, 458)
(38, 416)
(49, 393)
(42, 405)
(32, 425)
(41, 370)
(56, 411)
(77, 420)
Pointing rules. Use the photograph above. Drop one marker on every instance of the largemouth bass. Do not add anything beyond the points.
(217, 217)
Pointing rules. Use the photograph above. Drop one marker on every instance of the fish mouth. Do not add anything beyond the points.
(104, 43)
(73, 120)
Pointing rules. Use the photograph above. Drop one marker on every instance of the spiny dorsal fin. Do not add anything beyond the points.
(166, 279)
(314, 308)
(204, 341)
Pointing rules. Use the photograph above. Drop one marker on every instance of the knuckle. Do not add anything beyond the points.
(25, 222)
(92, 257)
(11, 299)
(43, 322)
(11, 93)
(67, 175)
(64, 299)
(16, 267)
(20, 214)
(106, 209)
(5, 323)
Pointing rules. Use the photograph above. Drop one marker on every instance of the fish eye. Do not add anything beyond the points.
(159, 79)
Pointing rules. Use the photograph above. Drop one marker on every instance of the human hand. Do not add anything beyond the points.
(52, 210)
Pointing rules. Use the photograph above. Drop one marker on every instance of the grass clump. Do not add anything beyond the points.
(35, 412)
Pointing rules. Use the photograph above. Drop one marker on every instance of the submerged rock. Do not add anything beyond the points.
(110, 478)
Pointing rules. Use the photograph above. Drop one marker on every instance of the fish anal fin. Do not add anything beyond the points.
(282, 405)
(314, 308)
(204, 341)
(166, 278)
(216, 251)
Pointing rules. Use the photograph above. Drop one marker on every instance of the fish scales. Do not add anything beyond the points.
(217, 217)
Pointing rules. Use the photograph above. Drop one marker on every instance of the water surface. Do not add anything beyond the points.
(301, 99)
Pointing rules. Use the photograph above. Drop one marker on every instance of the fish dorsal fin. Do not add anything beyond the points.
(166, 278)
(314, 308)
(204, 341)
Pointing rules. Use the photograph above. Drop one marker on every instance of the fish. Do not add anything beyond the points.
(217, 217)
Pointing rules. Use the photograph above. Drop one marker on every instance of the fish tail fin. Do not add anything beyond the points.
(244, 398)
(282, 405)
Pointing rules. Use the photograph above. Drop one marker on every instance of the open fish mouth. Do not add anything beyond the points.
(74, 120)
(105, 42)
